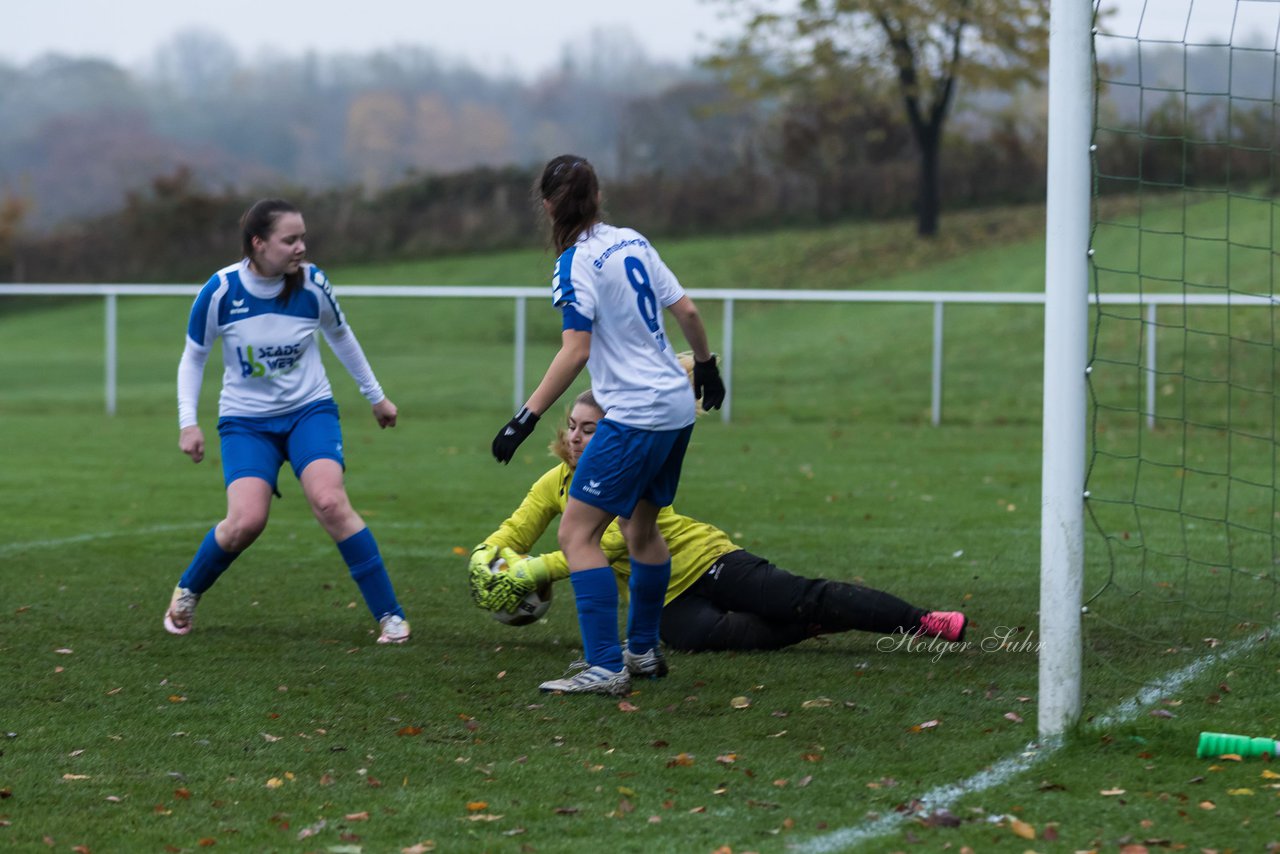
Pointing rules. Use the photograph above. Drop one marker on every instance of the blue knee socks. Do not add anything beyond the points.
(360, 551)
(596, 594)
(211, 560)
(648, 591)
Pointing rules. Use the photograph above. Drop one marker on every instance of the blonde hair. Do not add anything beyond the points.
(559, 446)
(685, 358)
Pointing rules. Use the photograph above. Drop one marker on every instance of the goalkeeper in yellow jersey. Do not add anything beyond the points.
(720, 597)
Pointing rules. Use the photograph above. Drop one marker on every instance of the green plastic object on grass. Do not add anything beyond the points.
(1221, 743)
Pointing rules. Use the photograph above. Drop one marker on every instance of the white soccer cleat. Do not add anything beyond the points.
(650, 665)
(182, 611)
(591, 680)
(395, 629)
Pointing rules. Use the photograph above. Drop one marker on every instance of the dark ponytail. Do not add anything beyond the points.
(259, 221)
(569, 183)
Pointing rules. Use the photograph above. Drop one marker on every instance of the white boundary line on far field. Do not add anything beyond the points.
(8, 549)
(1006, 769)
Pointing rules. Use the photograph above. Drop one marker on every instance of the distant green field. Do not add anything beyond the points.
(278, 725)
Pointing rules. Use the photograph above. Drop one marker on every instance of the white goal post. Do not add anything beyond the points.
(1066, 329)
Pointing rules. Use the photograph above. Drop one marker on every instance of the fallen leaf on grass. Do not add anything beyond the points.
(1207, 805)
(64, 651)
(1107, 793)
(727, 758)
(681, 759)
(624, 706)
(926, 725)
(357, 816)
(313, 829)
(1239, 791)
(483, 816)
(177, 698)
(420, 848)
(817, 703)
(565, 810)
(1022, 829)
(1013, 716)
(1161, 713)
(477, 806)
(941, 818)
(740, 702)
(409, 730)
(75, 776)
(275, 783)
(268, 737)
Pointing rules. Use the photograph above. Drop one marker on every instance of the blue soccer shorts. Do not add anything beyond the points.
(257, 447)
(624, 464)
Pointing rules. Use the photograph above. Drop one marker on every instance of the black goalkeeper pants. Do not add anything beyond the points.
(745, 602)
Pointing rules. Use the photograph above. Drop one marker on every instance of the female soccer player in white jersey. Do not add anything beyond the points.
(611, 287)
(277, 405)
(720, 596)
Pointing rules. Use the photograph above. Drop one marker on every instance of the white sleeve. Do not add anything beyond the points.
(190, 378)
(345, 346)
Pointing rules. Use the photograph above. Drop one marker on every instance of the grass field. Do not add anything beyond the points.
(278, 725)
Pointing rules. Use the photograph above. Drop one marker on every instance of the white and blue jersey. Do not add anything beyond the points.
(270, 353)
(612, 284)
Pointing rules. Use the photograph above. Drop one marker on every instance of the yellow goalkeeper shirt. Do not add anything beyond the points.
(694, 545)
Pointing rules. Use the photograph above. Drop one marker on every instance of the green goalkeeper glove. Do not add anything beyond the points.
(481, 579)
(521, 576)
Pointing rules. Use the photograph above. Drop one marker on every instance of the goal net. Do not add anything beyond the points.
(1181, 543)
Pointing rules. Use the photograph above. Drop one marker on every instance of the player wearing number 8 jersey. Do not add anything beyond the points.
(611, 288)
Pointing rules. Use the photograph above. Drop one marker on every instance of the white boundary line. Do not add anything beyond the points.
(1006, 769)
(17, 548)
(8, 549)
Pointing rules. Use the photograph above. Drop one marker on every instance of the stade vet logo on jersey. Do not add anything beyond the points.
(269, 361)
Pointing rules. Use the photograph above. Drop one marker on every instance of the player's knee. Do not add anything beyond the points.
(241, 529)
(331, 506)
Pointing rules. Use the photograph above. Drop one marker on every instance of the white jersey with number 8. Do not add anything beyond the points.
(612, 283)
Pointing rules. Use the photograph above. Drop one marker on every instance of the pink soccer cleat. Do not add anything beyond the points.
(948, 625)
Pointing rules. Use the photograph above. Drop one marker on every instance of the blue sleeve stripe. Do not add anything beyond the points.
(199, 321)
(322, 281)
(562, 279)
(573, 320)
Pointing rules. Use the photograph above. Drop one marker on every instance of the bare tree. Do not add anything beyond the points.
(923, 49)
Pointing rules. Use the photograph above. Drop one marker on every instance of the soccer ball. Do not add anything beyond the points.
(530, 608)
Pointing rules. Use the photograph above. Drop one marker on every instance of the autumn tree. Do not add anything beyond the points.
(921, 50)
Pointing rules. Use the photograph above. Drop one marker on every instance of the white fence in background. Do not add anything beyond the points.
(728, 298)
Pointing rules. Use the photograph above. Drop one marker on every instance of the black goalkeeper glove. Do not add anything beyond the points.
(707, 384)
(515, 432)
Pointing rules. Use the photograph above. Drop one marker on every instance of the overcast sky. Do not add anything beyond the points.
(524, 36)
